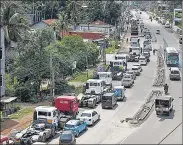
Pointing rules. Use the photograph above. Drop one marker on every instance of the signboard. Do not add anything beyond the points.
(177, 14)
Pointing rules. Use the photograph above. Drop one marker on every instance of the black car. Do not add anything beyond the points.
(67, 137)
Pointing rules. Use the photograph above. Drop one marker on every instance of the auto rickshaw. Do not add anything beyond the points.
(157, 31)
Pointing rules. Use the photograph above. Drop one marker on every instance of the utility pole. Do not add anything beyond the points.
(86, 66)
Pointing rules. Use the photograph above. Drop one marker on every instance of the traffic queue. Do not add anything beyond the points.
(64, 116)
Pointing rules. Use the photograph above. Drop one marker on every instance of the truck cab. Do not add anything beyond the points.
(109, 100)
(67, 105)
(119, 92)
(106, 77)
(117, 67)
(95, 86)
(123, 57)
(51, 114)
(164, 105)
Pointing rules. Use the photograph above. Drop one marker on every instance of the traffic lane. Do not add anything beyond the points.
(169, 37)
(160, 127)
(175, 136)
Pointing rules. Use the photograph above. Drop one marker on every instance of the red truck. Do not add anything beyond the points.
(68, 107)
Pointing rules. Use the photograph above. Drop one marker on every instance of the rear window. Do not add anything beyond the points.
(106, 97)
(174, 72)
(141, 58)
(66, 137)
(134, 68)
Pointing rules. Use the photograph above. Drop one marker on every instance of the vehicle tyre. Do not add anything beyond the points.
(93, 123)
(168, 113)
(29, 142)
(99, 117)
(86, 128)
(77, 134)
(44, 138)
(53, 132)
(157, 113)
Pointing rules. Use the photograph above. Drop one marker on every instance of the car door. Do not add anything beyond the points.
(81, 126)
(94, 116)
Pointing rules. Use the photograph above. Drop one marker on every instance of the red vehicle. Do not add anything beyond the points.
(4, 140)
(68, 107)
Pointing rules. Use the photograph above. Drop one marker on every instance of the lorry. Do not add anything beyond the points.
(134, 27)
(119, 92)
(106, 77)
(164, 105)
(134, 53)
(108, 100)
(117, 67)
(66, 108)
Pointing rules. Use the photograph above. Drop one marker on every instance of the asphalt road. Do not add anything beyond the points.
(109, 130)
(161, 129)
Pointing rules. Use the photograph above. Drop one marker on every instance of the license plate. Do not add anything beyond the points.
(17, 141)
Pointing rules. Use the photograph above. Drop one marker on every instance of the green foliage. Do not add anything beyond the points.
(21, 113)
(10, 84)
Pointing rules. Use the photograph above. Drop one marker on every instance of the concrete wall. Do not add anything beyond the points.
(2, 65)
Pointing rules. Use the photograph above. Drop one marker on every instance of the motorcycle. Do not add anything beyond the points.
(166, 91)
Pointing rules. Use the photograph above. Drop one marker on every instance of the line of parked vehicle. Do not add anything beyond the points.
(63, 115)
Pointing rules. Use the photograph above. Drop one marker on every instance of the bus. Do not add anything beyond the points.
(171, 56)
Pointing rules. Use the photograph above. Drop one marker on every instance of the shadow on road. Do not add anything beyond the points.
(91, 126)
(163, 117)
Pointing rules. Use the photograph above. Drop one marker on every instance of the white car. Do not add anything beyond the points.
(167, 25)
(142, 60)
(138, 65)
(89, 116)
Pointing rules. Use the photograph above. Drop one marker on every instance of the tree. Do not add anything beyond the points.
(33, 63)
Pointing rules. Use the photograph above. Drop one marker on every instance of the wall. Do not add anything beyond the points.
(2, 65)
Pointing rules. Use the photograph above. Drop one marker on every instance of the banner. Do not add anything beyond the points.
(177, 14)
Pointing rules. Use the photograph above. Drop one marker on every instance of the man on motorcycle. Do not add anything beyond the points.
(166, 88)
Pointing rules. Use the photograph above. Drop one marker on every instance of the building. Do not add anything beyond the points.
(96, 37)
(97, 26)
(43, 24)
(2, 65)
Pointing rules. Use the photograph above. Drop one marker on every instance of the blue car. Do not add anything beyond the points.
(76, 126)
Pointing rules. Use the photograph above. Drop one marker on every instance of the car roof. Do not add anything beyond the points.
(66, 132)
(72, 122)
(108, 94)
(94, 80)
(136, 64)
(135, 67)
(165, 97)
(118, 87)
(66, 98)
(88, 111)
(174, 69)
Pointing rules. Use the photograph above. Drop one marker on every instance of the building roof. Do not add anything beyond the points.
(8, 99)
(86, 35)
(98, 22)
(49, 21)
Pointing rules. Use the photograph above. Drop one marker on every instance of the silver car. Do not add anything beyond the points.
(132, 73)
(174, 73)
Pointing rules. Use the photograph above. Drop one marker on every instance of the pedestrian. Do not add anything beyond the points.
(127, 27)
(127, 40)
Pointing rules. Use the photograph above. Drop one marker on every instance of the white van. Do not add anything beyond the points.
(127, 80)
(95, 86)
(135, 50)
(174, 73)
(46, 112)
(142, 60)
(106, 77)
(123, 57)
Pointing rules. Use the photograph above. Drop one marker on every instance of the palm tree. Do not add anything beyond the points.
(12, 22)
(61, 25)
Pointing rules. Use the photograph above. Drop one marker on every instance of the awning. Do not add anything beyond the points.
(8, 99)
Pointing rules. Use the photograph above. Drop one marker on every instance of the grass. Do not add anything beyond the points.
(82, 76)
(21, 113)
(78, 90)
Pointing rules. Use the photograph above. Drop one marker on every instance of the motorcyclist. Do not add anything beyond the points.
(166, 87)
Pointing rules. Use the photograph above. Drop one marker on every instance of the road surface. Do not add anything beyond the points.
(159, 129)
(109, 130)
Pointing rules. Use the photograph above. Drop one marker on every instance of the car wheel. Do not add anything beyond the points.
(53, 132)
(77, 134)
(157, 113)
(168, 113)
(44, 138)
(93, 123)
(99, 117)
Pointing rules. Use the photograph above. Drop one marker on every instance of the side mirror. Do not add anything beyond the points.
(172, 99)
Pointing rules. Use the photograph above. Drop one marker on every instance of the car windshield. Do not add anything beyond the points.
(134, 68)
(66, 136)
(130, 72)
(141, 58)
(69, 125)
(164, 103)
(85, 115)
(174, 72)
